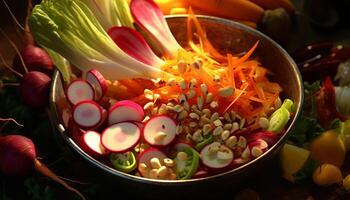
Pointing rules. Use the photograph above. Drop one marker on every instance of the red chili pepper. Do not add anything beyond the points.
(319, 60)
(326, 105)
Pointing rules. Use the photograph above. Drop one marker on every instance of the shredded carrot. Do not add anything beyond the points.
(208, 47)
(254, 94)
(247, 55)
(238, 96)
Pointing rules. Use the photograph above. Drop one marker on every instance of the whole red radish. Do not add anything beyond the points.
(14, 162)
(18, 159)
(35, 89)
(31, 57)
(35, 59)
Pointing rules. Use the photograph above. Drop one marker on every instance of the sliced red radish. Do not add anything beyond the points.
(120, 137)
(79, 90)
(98, 82)
(146, 156)
(239, 161)
(91, 143)
(260, 143)
(87, 114)
(132, 43)
(216, 159)
(201, 174)
(159, 131)
(181, 145)
(139, 124)
(124, 111)
(269, 137)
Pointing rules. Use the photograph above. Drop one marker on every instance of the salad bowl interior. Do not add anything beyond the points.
(228, 37)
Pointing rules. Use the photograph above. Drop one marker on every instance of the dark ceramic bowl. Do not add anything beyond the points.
(228, 36)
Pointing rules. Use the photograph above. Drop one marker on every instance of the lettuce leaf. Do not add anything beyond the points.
(71, 29)
(111, 12)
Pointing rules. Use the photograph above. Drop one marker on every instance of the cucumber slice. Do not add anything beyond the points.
(288, 104)
(278, 120)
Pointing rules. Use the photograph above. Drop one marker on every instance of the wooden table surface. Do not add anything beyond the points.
(270, 185)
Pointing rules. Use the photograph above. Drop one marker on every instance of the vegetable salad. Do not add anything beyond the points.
(190, 113)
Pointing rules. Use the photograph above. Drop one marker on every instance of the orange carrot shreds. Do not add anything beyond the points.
(270, 87)
(234, 101)
(207, 46)
(259, 91)
(260, 74)
(136, 87)
(118, 91)
(145, 83)
(247, 55)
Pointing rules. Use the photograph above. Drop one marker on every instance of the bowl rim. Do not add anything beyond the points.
(119, 174)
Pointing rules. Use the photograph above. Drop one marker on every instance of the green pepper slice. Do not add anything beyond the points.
(125, 162)
(185, 169)
(199, 146)
(279, 119)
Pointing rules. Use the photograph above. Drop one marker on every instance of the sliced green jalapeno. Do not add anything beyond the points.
(186, 168)
(204, 142)
(125, 162)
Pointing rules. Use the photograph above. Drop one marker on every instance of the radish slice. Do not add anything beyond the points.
(91, 141)
(87, 114)
(98, 82)
(120, 137)
(213, 160)
(124, 111)
(200, 174)
(260, 143)
(181, 145)
(269, 137)
(150, 18)
(132, 42)
(79, 90)
(146, 156)
(159, 131)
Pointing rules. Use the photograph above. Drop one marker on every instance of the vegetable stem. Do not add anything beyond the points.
(12, 120)
(10, 68)
(40, 167)
(28, 36)
(16, 49)
(12, 15)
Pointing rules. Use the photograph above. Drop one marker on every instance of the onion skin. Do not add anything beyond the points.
(17, 154)
(35, 59)
(35, 89)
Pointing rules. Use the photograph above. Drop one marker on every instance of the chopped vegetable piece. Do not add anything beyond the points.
(125, 162)
(185, 169)
(212, 159)
(120, 137)
(199, 146)
(159, 131)
(328, 148)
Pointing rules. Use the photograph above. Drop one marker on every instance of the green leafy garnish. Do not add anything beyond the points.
(306, 171)
(71, 29)
(61, 63)
(38, 192)
(306, 129)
